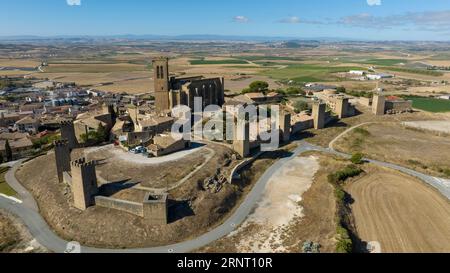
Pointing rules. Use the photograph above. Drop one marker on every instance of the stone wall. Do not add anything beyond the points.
(121, 205)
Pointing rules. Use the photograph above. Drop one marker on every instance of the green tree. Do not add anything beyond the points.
(341, 89)
(8, 151)
(295, 91)
(300, 106)
(259, 86)
(102, 133)
(357, 158)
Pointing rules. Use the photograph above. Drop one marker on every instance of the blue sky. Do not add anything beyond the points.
(356, 19)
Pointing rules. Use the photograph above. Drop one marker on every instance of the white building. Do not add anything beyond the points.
(380, 76)
(357, 72)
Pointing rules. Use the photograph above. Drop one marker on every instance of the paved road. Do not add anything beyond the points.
(37, 226)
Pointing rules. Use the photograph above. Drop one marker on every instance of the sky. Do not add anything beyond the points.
(348, 19)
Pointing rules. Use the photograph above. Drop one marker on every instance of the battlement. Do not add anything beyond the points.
(82, 163)
(66, 123)
(161, 58)
(60, 143)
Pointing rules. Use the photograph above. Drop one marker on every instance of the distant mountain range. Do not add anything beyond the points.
(191, 37)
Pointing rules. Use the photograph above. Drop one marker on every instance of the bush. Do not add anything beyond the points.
(259, 86)
(446, 172)
(362, 132)
(344, 244)
(300, 106)
(295, 91)
(357, 158)
(344, 174)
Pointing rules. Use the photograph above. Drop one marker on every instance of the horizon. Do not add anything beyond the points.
(359, 20)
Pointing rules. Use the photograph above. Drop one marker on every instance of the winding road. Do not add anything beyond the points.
(29, 213)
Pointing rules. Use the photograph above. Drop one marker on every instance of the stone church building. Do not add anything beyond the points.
(172, 91)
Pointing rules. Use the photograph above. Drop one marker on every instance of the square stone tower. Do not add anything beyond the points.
(84, 183)
(342, 107)
(241, 142)
(155, 209)
(285, 126)
(378, 105)
(62, 158)
(68, 133)
(318, 113)
(161, 80)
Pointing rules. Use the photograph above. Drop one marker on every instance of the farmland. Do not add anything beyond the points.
(217, 62)
(430, 104)
(307, 73)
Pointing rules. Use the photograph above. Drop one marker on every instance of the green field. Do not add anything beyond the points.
(414, 71)
(94, 68)
(430, 104)
(301, 73)
(269, 58)
(217, 62)
(384, 62)
(4, 187)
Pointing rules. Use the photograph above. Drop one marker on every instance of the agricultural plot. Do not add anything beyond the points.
(217, 62)
(430, 104)
(302, 73)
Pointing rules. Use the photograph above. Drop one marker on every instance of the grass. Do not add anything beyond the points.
(4, 187)
(269, 58)
(302, 73)
(383, 62)
(430, 104)
(93, 68)
(217, 62)
(414, 71)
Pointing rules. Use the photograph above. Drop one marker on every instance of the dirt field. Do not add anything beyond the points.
(400, 212)
(391, 142)
(324, 136)
(299, 205)
(442, 126)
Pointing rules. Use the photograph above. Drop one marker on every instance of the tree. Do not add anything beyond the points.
(8, 151)
(259, 86)
(102, 133)
(300, 106)
(357, 158)
(341, 89)
(295, 91)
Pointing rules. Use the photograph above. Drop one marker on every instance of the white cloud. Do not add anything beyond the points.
(240, 19)
(426, 21)
(374, 2)
(74, 2)
(290, 20)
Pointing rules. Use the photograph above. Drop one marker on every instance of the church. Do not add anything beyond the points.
(173, 91)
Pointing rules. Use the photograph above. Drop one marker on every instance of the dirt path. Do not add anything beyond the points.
(401, 213)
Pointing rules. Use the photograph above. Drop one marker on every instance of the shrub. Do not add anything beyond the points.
(362, 132)
(300, 106)
(357, 158)
(344, 174)
(447, 172)
(344, 243)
